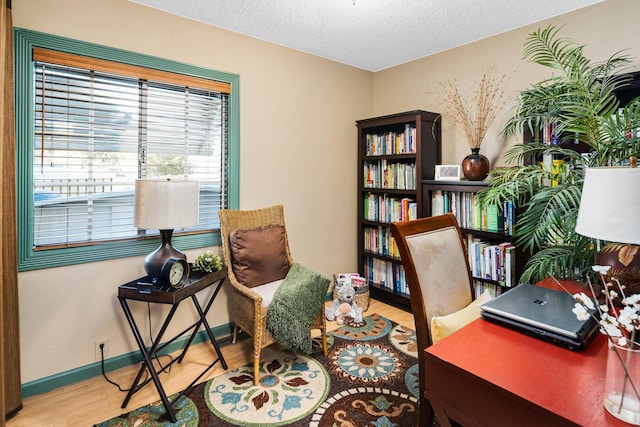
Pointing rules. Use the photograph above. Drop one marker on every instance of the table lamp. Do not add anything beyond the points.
(165, 204)
(610, 211)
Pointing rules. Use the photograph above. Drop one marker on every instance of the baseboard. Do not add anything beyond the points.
(44, 385)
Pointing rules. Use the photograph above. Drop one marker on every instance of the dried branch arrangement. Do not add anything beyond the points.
(476, 114)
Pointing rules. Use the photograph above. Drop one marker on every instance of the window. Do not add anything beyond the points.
(96, 132)
(96, 124)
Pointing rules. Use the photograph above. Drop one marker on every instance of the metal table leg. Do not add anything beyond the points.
(147, 358)
(203, 320)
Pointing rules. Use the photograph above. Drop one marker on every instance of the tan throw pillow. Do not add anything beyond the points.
(259, 255)
(443, 326)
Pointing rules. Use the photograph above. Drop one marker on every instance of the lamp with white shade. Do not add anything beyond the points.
(610, 211)
(165, 205)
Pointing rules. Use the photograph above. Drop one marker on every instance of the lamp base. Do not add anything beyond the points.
(155, 260)
(624, 261)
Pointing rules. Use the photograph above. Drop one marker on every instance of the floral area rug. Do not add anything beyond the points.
(369, 378)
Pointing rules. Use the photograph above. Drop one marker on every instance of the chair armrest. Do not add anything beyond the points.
(245, 290)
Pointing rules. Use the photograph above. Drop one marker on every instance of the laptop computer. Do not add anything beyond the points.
(542, 313)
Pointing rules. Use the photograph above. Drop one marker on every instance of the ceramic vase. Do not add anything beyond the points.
(622, 392)
(624, 261)
(475, 167)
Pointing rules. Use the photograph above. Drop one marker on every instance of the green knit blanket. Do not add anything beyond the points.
(294, 307)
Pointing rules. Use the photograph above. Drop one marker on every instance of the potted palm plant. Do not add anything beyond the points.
(579, 100)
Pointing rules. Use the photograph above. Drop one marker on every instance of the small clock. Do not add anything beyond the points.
(174, 272)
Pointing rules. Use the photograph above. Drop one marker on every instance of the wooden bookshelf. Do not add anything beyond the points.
(395, 153)
(505, 267)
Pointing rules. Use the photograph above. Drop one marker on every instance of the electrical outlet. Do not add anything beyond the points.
(104, 351)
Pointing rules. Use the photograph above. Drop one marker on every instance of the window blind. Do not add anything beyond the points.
(97, 131)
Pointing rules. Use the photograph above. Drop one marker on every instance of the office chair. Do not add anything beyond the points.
(434, 257)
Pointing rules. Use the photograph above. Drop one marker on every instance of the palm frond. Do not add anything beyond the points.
(556, 260)
(516, 154)
(574, 99)
(620, 141)
(511, 184)
(611, 71)
(546, 48)
(570, 261)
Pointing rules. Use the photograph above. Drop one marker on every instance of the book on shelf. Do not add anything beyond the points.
(378, 240)
(466, 208)
(510, 266)
(492, 261)
(389, 143)
(549, 135)
(389, 175)
(437, 203)
(400, 280)
(385, 208)
(480, 287)
(546, 134)
(386, 274)
(491, 213)
(509, 218)
(558, 169)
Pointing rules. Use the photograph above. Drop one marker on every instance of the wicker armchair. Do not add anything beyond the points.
(249, 314)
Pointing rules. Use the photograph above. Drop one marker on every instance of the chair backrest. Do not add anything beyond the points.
(231, 220)
(434, 257)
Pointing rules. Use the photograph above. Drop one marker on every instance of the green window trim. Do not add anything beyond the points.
(28, 258)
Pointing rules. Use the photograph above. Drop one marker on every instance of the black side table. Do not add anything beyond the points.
(139, 290)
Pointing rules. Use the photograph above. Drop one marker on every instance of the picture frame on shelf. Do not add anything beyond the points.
(448, 172)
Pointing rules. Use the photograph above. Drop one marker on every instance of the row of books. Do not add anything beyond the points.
(480, 286)
(467, 210)
(386, 274)
(490, 261)
(384, 174)
(556, 169)
(388, 143)
(379, 240)
(549, 136)
(383, 208)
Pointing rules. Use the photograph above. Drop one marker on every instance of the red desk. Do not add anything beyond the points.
(488, 375)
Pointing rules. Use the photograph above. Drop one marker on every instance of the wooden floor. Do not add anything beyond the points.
(94, 400)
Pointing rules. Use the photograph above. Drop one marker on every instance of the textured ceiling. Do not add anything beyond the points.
(369, 34)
